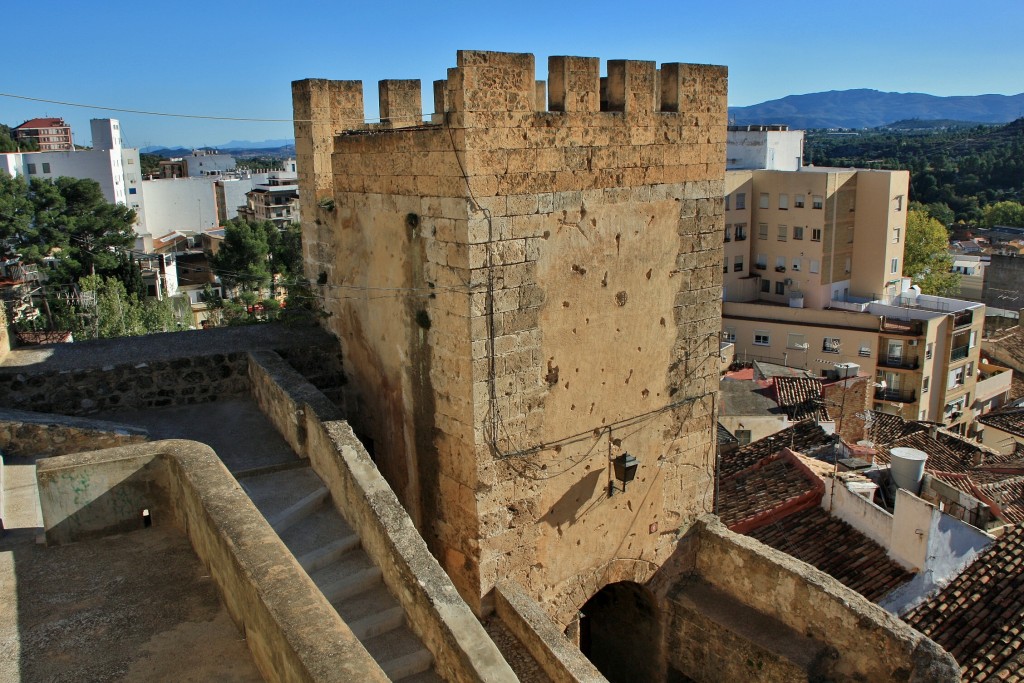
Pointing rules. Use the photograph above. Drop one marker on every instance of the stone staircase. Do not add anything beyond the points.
(298, 506)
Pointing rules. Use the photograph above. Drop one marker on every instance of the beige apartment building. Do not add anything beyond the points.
(812, 274)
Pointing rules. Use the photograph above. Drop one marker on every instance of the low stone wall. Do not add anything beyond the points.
(33, 435)
(294, 634)
(868, 642)
(561, 661)
(5, 335)
(437, 613)
(155, 384)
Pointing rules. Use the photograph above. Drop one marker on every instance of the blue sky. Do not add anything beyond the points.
(238, 59)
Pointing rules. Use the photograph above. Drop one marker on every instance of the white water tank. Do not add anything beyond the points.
(907, 468)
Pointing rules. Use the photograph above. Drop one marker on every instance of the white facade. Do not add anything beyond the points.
(204, 163)
(186, 205)
(773, 148)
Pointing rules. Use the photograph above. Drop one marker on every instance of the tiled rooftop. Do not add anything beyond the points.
(805, 437)
(837, 549)
(775, 486)
(801, 398)
(1010, 420)
(979, 616)
(944, 454)
(883, 428)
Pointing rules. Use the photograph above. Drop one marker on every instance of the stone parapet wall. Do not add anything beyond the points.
(5, 335)
(864, 641)
(294, 634)
(32, 435)
(437, 614)
(155, 384)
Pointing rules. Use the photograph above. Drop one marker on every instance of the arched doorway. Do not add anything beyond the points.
(620, 632)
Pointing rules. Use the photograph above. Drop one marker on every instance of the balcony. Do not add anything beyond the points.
(959, 353)
(760, 266)
(899, 363)
(914, 328)
(780, 269)
(897, 395)
(741, 238)
(963, 318)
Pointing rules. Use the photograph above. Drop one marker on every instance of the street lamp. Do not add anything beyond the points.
(625, 467)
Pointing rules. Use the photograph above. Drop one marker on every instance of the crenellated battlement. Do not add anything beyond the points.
(502, 82)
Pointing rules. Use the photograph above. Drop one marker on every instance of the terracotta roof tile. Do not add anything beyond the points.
(1010, 420)
(805, 437)
(883, 428)
(801, 398)
(836, 548)
(777, 485)
(979, 616)
(41, 123)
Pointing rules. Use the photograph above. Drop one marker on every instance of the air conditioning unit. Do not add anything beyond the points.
(788, 282)
(912, 342)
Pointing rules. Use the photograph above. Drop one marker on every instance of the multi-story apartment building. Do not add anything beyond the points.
(813, 266)
(50, 134)
(278, 203)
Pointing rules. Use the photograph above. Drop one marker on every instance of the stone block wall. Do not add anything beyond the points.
(523, 295)
(155, 384)
(33, 435)
(5, 335)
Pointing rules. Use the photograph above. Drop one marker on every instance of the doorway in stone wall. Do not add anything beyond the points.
(620, 632)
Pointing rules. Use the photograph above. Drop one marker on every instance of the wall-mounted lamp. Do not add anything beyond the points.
(625, 470)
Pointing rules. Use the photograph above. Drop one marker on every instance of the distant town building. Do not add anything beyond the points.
(202, 162)
(51, 134)
(272, 202)
(775, 148)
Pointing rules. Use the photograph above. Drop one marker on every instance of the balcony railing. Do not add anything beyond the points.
(741, 238)
(959, 353)
(780, 269)
(909, 327)
(898, 395)
(901, 363)
(760, 266)
(963, 318)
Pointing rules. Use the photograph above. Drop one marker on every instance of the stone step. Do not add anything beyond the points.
(299, 510)
(399, 652)
(428, 676)
(275, 491)
(321, 528)
(346, 586)
(380, 622)
(325, 555)
(368, 602)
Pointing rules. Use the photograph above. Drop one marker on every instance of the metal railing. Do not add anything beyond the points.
(959, 353)
(898, 395)
(901, 363)
(963, 318)
(896, 326)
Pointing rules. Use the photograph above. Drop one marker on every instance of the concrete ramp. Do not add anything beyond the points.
(299, 508)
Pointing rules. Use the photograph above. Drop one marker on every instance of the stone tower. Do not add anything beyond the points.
(524, 294)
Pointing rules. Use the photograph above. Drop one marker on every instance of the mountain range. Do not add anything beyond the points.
(865, 108)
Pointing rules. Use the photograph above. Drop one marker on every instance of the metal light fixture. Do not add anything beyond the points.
(625, 470)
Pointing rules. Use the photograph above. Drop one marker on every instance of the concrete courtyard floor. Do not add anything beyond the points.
(134, 607)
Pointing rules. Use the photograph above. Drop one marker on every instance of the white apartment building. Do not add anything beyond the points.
(812, 278)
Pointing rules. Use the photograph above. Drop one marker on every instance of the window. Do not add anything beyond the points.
(784, 201)
(46, 167)
(815, 266)
(742, 436)
(729, 334)
(762, 262)
(798, 232)
(973, 340)
(899, 202)
(766, 286)
(741, 200)
(737, 264)
(31, 169)
(780, 264)
(725, 264)
(865, 350)
(815, 234)
(764, 200)
(728, 232)
(741, 232)
(796, 264)
(131, 190)
(924, 385)
(956, 378)
(970, 369)
(727, 202)
(780, 287)
(762, 338)
(796, 341)
(762, 231)
(894, 266)
(847, 265)
(783, 233)
(131, 162)
(830, 345)
(798, 201)
(928, 350)
(816, 202)
(896, 234)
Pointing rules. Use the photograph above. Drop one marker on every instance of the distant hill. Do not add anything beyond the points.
(864, 108)
(280, 151)
(930, 124)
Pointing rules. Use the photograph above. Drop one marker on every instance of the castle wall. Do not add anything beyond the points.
(524, 295)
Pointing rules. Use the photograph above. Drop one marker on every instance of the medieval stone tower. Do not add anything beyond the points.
(524, 294)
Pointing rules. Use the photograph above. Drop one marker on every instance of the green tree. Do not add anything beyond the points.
(1004, 213)
(243, 259)
(926, 257)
